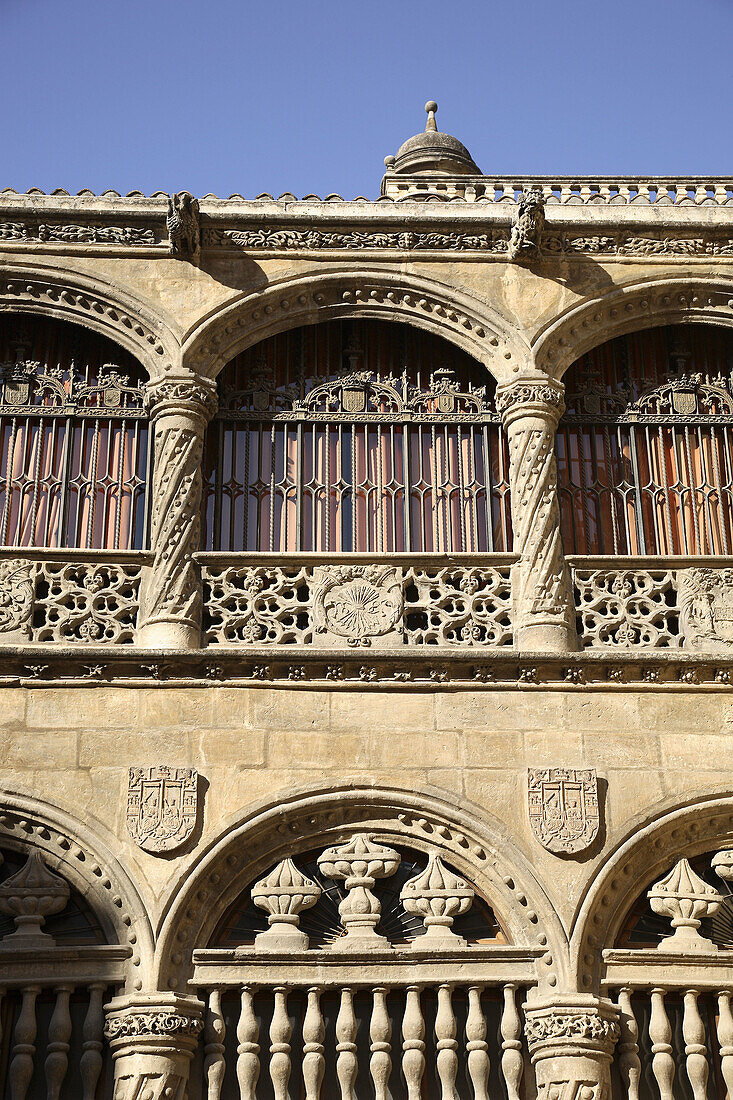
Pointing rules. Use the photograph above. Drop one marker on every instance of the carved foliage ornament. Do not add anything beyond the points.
(563, 808)
(571, 1025)
(16, 595)
(131, 1024)
(162, 807)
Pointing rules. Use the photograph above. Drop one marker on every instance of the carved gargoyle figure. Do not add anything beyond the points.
(183, 225)
(529, 221)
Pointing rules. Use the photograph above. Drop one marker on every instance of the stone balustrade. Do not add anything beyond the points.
(571, 190)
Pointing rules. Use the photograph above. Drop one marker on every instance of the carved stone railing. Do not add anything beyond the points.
(69, 596)
(570, 190)
(654, 603)
(356, 601)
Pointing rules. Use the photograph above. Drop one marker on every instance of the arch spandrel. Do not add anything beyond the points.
(95, 305)
(78, 853)
(477, 848)
(462, 319)
(626, 309)
(647, 853)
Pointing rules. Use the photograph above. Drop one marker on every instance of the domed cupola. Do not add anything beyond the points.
(432, 153)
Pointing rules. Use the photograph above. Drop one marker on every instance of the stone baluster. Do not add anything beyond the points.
(24, 1045)
(413, 1043)
(693, 1032)
(59, 1033)
(284, 893)
(90, 1064)
(171, 599)
(476, 1046)
(512, 1062)
(544, 613)
(153, 1038)
(248, 1050)
(280, 1032)
(628, 1046)
(725, 1039)
(360, 862)
(380, 1036)
(660, 1036)
(346, 1063)
(214, 1035)
(314, 1031)
(571, 1040)
(447, 1045)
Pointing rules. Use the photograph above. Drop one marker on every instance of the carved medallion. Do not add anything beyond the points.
(706, 608)
(358, 603)
(563, 808)
(162, 806)
(684, 402)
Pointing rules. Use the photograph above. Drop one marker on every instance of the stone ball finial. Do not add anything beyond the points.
(430, 108)
(389, 161)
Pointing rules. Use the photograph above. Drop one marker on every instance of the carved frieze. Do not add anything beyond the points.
(162, 807)
(563, 808)
(571, 1025)
(131, 1024)
(358, 603)
(33, 233)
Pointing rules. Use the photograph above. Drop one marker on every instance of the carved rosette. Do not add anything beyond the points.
(438, 895)
(686, 899)
(171, 600)
(360, 862)
(284, 894)
(16, 598)
(571, 1044)
(357, 603)
(153, 1039)
(544, 612)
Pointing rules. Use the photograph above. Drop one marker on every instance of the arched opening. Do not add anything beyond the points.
(645, 456)
(356, 436)
(74, 446)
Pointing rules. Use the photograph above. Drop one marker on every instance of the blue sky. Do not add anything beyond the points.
(235, 96)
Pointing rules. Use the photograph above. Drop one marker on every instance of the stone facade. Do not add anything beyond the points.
(550, 766)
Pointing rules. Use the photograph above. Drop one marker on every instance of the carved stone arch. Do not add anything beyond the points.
(477, 847)
(101, 307)
(77, 852)
(628, 309)
(460, 318)
(647, 853)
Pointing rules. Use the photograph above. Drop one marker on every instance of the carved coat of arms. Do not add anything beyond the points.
(706, 608)
(563, 808)
(162, 806)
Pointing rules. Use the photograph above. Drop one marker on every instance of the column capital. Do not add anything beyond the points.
(535, 395)
(571, 1025)
(153, 1038)
(185, 395)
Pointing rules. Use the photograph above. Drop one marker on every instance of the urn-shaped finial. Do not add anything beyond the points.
(686, 899)
(284, 893)
(360, 862)
(438, 895)
(722, 864)
(30, 895)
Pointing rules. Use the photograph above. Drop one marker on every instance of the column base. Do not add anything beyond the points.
(168, 635)
(546, 638)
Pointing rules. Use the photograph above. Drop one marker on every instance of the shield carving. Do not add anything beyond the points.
(17, 391)
(162, 806)
(353, 400)
(684, 402)
(563, 808)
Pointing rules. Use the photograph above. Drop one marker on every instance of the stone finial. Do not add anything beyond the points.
(686, 899)
(284, 893)
(360, 862)
(30, 895)
(722, 864)
(430, 108)
(437, 895)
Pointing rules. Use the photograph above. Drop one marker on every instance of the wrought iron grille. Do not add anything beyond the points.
(74, 450)
(644, 451)
(369, 437)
